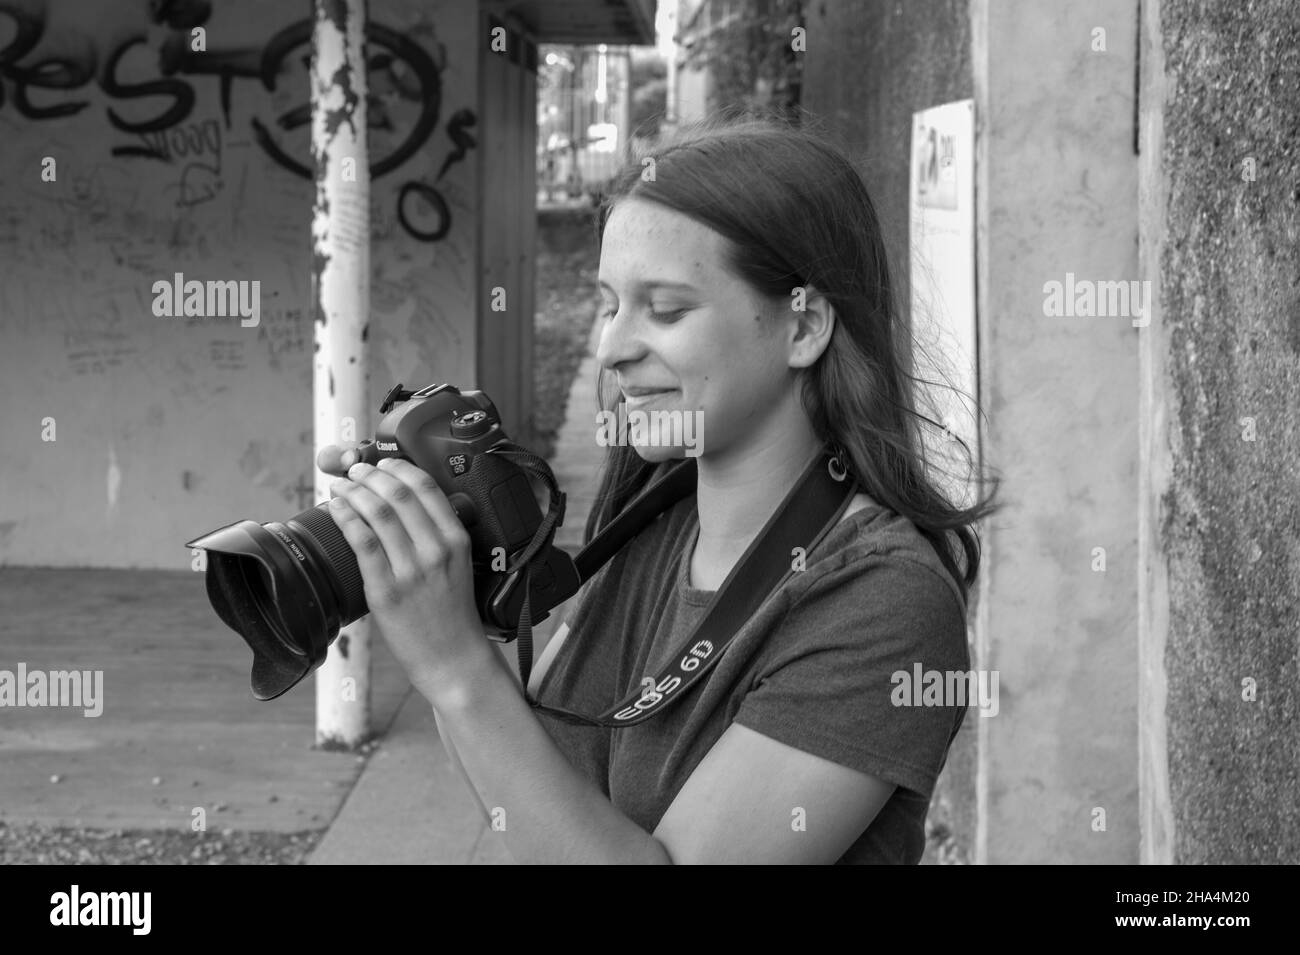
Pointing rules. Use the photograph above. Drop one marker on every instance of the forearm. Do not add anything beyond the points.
(552, 813)
(453, 757)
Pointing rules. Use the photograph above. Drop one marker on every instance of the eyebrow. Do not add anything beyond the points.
(655, 285)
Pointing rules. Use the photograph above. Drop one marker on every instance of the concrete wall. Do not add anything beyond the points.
(167, 427)
(1057, 195)
(919, 56)
(1221, 216)
(902, 57)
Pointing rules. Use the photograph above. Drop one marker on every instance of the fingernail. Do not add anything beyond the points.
(349, 458)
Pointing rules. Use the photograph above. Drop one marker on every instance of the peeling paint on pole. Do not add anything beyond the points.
(341, 299)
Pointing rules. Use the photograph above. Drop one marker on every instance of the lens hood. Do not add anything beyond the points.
(258, 585)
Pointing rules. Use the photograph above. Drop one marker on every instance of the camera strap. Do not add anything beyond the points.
(538, 467)
(811, 508)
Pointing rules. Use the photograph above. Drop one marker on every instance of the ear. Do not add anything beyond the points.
(811, 327)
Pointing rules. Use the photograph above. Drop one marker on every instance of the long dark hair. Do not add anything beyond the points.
(795, 212)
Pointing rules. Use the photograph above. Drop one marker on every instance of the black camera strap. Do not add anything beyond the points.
(538, 467)
(811, 508)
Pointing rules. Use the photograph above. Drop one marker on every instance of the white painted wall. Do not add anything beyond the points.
(168, 427)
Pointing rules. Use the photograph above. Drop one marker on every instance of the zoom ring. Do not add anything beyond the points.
(343, 562)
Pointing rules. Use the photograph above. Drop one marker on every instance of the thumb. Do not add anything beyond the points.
(335, 459)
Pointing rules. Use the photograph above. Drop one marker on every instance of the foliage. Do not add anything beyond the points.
(648, 80)
(746, 45)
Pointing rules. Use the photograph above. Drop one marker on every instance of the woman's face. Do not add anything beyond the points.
(677, 322)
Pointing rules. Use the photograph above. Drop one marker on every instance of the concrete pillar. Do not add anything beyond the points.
(1153, 622)
(1057, 615)
(341, 295)
(1220, 531)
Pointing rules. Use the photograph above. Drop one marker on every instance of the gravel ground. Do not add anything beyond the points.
(40, 845)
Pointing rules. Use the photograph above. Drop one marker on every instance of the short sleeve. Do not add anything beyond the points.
(840, 679)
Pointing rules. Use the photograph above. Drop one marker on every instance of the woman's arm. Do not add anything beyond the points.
(453, 757)
(753, 800)
(534, 682)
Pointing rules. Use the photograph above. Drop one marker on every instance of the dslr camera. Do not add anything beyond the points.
(287, 588)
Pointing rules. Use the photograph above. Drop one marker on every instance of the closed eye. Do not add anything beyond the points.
(669, 316)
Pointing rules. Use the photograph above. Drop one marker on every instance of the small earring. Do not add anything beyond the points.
(835, 467)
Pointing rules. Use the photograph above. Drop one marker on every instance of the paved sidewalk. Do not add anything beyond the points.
(408, 806)
(179, 728)
(578, 458)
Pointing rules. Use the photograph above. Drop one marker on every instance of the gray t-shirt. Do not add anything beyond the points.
(812, 668)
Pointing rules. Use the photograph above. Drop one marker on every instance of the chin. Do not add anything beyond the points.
(656, 454)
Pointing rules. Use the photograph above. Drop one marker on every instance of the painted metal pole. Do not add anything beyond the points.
(341, 294)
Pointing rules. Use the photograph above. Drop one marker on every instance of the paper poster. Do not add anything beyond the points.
(942, 253)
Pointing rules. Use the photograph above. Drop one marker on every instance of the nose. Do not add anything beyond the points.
(619, 341)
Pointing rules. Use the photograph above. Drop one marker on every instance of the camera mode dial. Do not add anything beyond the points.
(472, 424)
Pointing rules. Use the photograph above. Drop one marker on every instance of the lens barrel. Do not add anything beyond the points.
(315, 527)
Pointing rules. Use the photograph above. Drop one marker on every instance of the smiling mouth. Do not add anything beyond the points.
(645, 395)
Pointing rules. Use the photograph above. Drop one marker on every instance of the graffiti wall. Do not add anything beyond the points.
(155, 258)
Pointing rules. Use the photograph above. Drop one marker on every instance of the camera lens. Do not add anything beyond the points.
(287, 589)
(261, 589)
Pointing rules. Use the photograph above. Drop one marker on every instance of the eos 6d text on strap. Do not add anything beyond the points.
(812, 507)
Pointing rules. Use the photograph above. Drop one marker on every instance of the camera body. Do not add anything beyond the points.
(450, 435)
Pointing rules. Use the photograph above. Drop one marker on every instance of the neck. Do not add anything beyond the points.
(740, 490)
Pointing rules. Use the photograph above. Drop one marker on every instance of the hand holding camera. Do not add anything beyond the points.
(414, 557)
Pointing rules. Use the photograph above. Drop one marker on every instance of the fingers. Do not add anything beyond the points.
(407, 513)
(391, 514)
(335, 459)
(374, 564)
(432, 498)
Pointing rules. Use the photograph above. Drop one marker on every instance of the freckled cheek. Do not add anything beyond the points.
(694, 393)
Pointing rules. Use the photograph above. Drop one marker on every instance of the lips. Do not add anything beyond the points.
(640, 391)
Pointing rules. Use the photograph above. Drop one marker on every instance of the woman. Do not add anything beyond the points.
(744, 282)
